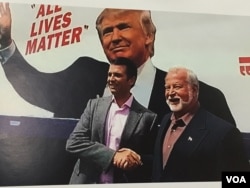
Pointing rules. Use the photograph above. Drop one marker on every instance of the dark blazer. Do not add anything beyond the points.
(208, 146)
(87, 142)
(66, 93)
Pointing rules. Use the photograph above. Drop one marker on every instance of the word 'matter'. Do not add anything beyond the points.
(52, 30)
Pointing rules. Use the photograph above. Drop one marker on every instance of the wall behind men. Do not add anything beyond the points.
(211, 44)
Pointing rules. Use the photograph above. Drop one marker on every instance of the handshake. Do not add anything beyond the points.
(126, 159)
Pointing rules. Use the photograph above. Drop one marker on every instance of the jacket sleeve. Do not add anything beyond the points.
(80, 140)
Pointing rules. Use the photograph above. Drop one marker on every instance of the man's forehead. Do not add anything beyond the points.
(114, 19)
(175, 81)
(120, 67)
(120, 12)
(180, 74)
(114, 23)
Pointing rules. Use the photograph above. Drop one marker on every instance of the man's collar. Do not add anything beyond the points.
(188, 116)
(147, 65)
(128, 103)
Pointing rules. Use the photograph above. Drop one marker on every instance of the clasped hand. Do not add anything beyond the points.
(126, 159)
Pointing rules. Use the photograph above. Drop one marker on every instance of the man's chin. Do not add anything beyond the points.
(112, 91)
(175, 108)
(122, 53)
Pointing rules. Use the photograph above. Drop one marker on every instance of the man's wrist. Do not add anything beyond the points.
(7, 52)
(5, 42)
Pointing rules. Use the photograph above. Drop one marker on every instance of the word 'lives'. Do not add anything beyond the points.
(52, 30)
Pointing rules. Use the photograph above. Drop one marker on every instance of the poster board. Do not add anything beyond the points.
(207, 41)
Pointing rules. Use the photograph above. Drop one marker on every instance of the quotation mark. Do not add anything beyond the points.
(86, 26)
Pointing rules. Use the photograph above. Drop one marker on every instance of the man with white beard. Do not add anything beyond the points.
(193, 144)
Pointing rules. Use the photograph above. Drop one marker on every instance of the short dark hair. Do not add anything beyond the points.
(130, 66)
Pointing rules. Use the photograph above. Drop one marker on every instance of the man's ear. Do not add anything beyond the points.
(132, 81)
(196, 89)
(149, 38)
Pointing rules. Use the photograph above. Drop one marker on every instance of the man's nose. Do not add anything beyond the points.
(111, 78)
(170, 92)
(116, 35)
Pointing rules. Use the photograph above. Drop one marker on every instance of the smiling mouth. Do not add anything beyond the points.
(174, 100)
(118, 48)
(111, 86)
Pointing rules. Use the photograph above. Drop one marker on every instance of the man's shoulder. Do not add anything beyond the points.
(214, 122)
(90, 62)
(160, 73)
(141, 108)
(205, 88)
(99, 102)
(101, 99)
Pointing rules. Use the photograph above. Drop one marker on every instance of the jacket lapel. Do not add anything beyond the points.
(132, 122)
(160, 138)
(101, 115)
(194, 133)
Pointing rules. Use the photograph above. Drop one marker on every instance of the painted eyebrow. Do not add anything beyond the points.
(174, 85)
(120, 26)
(107, 30)
(114, 73)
